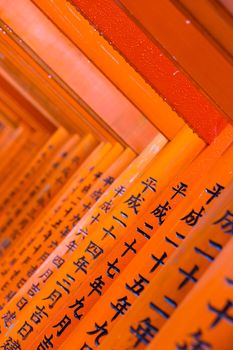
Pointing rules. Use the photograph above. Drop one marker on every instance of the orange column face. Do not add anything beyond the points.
(169, 161)
(168, 288)
(82, 171)
(59, 224)
(56, 173)
(209, 306)
(146, 248)
(90, 223)
(14, 193)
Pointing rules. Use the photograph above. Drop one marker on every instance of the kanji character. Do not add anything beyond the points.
(120, 221)
(189, 276)
(120, 307)
(81, 264)
(45, 276)
(109, 232)
(22, 303)
(150, 184)
(37, 316)
(25, 330)
(134, 202)
(120, 190)
(97, 286)
(142, 232)
(78, 305)
(72, 246)
(46, 343)
(192, 218)
(9, 318)
(112, 267)
(35, 288)
(11, 344)
(180, 189)
(221, 314)
(129, 247)
(108, 180)
(226, 222)
(53, 297)
(138, 286)
(66, 283)
(160, 212)
(106, 206)
(62, 325)
(58, 261)
(159, 261)
(215, 192)
(144, 332)
(101, 331)
(94, 250)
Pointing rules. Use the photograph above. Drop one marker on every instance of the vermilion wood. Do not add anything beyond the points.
(218, 24)
(178, 35)
(113, 65)
(158, 70)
